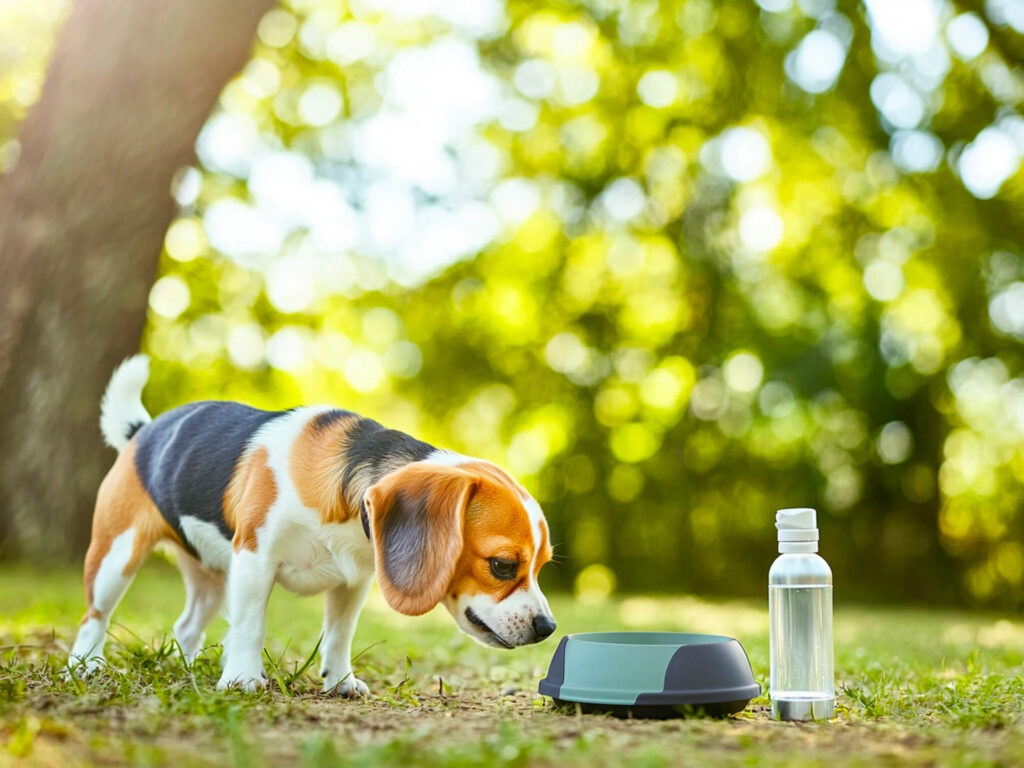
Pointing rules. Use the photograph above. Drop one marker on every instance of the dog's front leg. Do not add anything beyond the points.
(250, 580)
(340, 617)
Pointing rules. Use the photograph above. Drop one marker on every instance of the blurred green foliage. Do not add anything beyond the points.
(730, 256)
(26, 39)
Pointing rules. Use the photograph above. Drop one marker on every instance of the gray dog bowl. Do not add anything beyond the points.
(650, 674)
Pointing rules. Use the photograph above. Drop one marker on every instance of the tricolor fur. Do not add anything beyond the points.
(318, 500)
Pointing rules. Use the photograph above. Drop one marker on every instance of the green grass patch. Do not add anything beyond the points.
(916, 688)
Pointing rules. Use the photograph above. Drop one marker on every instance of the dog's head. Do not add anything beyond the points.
(466, 535)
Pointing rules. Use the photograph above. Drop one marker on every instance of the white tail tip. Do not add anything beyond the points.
(122, 412)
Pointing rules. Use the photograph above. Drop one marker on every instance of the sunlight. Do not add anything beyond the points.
(228, 143)
(350, 42)
(320, 104)
(761, 228)
(817, 61)
(988, 161)
(895, 443)
(514, 200)
(623, 199)
(900, 104)
(1008, 12)
(239, 231)
(658, 88)
(185, 239)
(743, 372)
(916, 151)
(904, 28)
(364, 370)
(246, 346)
(883, 280)
(169, 297)
(1006, 310)
(744, 154)
(290, 284)
(594, 585)
(288, 348)
(967, 35)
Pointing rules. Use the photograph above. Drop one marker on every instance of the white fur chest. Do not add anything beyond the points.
(308, 555)
(312, 557)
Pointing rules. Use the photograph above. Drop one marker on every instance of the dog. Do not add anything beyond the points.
(316, 499)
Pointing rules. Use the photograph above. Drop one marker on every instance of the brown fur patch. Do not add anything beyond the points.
(488, 471)
(316, 468)
(248, 498)
(92, 613)
(416, 514)
(497, 525)
(122, 503)
(544, 552)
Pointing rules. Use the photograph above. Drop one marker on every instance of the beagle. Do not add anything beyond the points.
(316, 499)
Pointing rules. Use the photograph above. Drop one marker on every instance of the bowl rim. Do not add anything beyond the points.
(628, 639)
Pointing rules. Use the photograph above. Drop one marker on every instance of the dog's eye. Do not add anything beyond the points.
(504, 570)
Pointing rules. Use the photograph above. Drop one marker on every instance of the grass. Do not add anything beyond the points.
(917, 688)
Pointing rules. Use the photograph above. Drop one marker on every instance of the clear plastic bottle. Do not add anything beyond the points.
(802, 685)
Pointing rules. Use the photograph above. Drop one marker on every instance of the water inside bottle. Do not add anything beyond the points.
(802, 666)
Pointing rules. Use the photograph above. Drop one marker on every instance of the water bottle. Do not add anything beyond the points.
(802, 685)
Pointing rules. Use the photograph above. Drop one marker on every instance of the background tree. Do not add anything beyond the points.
(83, 214)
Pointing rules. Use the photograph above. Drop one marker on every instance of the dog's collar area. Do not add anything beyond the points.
(478, 622)
(364, 516)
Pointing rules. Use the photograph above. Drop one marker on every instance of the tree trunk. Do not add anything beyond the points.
(82, 221)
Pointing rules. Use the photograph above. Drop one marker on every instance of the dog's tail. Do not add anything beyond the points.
(122, 413)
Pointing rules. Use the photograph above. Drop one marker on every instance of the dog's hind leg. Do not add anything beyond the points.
(108, 574)
(125, 527)
(204, 595)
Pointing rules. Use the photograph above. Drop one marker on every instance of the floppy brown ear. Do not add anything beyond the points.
(416, 519)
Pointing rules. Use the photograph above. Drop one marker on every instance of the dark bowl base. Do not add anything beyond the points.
(655, 711)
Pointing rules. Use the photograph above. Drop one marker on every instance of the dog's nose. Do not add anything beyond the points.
(543, 626)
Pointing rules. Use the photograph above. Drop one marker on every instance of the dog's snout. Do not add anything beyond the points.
(543, 626)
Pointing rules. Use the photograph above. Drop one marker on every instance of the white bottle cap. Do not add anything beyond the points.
(798, 530)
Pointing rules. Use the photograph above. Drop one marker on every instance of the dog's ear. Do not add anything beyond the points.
(416, 517)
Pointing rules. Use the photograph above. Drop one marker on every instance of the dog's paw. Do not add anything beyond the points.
(247, 682)
(351, 687)
(78, 668)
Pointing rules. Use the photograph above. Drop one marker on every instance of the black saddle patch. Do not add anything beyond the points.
(372, 448)
(186, 458)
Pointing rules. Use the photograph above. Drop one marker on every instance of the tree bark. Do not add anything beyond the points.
(82, 220)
